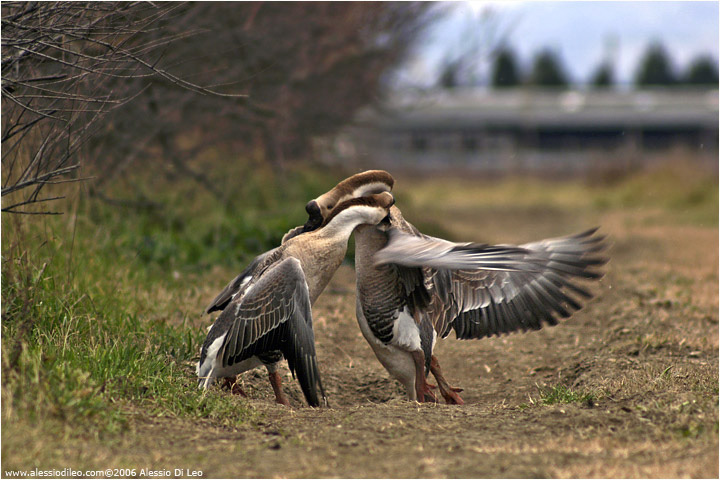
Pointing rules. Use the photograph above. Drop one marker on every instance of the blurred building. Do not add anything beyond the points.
(532, 131)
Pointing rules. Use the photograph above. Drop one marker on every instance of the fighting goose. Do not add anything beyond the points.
(269, 316)
(412, 288)
(359, 185)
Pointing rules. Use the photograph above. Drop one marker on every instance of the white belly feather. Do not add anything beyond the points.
(406, 334)
(212, 367)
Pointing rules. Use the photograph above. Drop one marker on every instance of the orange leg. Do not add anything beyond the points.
(450, 394)
(422, 388)
(277, 388)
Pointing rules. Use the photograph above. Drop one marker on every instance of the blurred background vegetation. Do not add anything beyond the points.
(150, 150)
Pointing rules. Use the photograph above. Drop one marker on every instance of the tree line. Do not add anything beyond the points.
(654, 69)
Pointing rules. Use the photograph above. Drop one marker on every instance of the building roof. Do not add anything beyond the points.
(532, 108)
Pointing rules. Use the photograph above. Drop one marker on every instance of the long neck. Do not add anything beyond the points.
(321, 252)
(368, 240)
(341, 227)
(320, 258)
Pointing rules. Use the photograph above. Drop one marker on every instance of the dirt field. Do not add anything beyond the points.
(645, 350)
(639, 367)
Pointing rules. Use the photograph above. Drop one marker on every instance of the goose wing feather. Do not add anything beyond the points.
(273, 314)
(238, 283)
(481, 290)
(411, 250)
(540, 288)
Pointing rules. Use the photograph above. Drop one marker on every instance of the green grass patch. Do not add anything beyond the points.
(189, 230)
(563, 394)
(685, 192)
(676, 188)
(76, 349)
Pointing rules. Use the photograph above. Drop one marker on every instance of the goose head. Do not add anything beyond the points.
(359, 185)
(369, 209)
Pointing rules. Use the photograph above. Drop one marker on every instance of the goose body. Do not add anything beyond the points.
(266, 310)
(473, 289)
(413, 288)
(386, 311)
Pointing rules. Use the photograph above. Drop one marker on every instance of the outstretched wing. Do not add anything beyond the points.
(480, 290)
(274, 314)
(410, 250)
(542, 288)
(238, 283)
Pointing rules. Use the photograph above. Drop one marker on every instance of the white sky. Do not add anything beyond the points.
(582, 33)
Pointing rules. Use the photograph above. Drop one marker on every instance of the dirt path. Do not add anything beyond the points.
(645, 351)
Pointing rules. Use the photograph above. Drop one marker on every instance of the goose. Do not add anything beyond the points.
(269, 316)
(412, 288)
(359, 185)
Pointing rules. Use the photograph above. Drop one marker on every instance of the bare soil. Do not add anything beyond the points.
(645, 351)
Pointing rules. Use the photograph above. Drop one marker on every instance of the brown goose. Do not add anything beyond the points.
(269, 316)
(412, 288)
(362, 184)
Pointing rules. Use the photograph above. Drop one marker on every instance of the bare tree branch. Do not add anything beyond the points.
(39, 179)
(113, 86)
(65, 66)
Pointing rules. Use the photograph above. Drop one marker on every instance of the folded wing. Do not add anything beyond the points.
(274, 314)
(238, 283)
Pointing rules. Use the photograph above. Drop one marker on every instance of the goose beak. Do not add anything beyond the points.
(385, 223)
(315, 218)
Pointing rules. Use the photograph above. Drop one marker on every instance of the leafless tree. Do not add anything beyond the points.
(307, 67)
(240, 76)
(62, 66)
